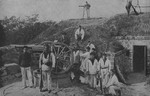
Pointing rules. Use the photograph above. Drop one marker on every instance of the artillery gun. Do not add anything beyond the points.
(64, 59)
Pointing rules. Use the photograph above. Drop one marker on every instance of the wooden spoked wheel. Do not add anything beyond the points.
(63, 57)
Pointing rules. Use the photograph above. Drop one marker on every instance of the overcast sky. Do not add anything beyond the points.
(63, 9)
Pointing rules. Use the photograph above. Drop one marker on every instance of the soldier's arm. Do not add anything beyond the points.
(83, 34)
(87, 66)
(40, 61)
(100, 63)
(76, 34)
(81, 5)
(109, 65)
(20, 57)
(98, 66)
(53, 60)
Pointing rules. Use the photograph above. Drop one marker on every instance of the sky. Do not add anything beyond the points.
(58, 10)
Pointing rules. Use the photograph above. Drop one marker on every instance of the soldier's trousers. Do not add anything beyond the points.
(47, 80)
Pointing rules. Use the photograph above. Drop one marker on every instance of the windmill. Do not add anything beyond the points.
(138, 5)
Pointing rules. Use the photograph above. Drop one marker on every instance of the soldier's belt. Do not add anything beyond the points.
(104, 68)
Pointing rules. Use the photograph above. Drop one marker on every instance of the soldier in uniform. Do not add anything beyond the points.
(113, 84)
(128, 6)
(105, 67)
(65, 39)
(92, 69)
(87, 8)
(47, 64)
(79, 34)
(25, 64)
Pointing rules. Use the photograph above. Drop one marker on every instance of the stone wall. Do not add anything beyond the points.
(10, 72)
(129, 41)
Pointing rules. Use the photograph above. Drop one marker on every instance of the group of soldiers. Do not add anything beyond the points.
(94, 70)
(87, 6)
(46, 65)
(88, 67)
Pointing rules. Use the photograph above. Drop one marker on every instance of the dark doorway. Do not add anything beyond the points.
(139, 58)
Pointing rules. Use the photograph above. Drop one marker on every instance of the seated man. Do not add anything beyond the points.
(92, 47)
(113, 83)
(79, 34)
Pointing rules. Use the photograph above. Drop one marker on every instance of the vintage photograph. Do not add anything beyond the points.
(74, 47)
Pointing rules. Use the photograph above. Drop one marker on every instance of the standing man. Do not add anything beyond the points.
(92, 69)
(65, 39)
(79, 34)
(128, 6)
(47, 63)
(84, 58)
(105, 67)
(76, 63)
(86, 8)
(24, 62)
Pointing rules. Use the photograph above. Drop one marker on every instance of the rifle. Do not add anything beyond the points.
(101, 85)
(41, 80)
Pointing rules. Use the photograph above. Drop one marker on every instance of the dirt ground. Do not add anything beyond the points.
(16, 89)
(138, 87)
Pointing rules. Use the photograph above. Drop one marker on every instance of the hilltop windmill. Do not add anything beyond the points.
(138, 6)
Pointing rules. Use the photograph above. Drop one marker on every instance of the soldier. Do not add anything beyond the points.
(92, 69)
(87, 7)
(47, 64)
(113, 84)
(92, 47)
(76, 62)
(128, 6)
(84, 58)
(105, 67)
(79, 34)
(65, 39)
(24, 62)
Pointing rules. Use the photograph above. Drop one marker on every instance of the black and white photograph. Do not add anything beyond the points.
(74, 47)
